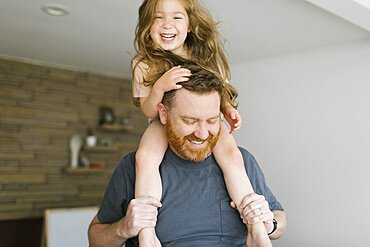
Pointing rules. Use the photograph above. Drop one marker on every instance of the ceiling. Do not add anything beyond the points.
(98, 35)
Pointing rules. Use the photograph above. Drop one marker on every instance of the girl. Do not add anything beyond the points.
(185, 29)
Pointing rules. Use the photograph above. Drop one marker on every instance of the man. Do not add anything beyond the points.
(195, 208)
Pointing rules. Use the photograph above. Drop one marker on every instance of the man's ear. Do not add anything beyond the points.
(162, 112)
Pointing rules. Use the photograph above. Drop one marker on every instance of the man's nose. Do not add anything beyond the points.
(201, 132)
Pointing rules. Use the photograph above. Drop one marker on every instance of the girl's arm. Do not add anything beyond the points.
(149, 104)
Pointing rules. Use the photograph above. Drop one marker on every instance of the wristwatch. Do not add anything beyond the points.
(275, 223)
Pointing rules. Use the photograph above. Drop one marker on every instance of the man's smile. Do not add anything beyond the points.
(196, 141)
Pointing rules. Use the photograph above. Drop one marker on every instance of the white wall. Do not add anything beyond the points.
(307, 121)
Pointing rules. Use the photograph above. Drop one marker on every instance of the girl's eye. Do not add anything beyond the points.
(158, 17)
(178, 18)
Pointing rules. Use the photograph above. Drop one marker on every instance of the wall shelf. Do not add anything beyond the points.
(100, 149)
(80, 170)
(116, 127)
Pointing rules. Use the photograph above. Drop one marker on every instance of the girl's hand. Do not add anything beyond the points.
(255, 209)
(168, 81)
(233, 117)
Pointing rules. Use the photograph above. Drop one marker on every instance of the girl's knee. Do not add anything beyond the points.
(147, 158)
(141, 156)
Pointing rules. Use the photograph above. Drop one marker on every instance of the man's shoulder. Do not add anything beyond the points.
(249, 160)
(246, 154)
(243, 149)
(127, 163)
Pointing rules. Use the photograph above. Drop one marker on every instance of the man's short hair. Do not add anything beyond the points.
(200, 82)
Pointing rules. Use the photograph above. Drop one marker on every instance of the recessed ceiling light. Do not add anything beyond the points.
(55, 9)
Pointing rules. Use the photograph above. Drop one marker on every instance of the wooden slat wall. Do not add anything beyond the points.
(40, 108)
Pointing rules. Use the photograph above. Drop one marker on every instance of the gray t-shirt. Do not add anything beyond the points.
(195, 204)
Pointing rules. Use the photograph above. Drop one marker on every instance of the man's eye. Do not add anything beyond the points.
(213, 121)
(189, 122)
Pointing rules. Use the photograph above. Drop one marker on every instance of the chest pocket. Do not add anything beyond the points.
(234, 230)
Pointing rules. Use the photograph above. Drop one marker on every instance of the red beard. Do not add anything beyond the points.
(182, 147)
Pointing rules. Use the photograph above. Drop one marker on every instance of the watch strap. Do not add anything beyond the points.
(275, 223)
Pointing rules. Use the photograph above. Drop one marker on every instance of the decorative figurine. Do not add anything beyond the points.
(90, 138)
(106, 115)
(75, 144)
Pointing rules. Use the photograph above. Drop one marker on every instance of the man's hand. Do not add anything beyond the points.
(141, 213)
(168, 81)
(255, 209)
(233, 117)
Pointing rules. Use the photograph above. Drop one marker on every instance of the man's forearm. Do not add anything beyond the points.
(103, 235)
(280, 217)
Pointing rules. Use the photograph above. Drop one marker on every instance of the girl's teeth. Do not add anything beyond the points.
(168, 36)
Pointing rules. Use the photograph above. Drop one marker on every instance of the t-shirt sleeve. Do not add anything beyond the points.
(258, 181)
(119, 192)
(139, 90)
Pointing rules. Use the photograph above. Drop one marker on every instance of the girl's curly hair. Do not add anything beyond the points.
(203, 43)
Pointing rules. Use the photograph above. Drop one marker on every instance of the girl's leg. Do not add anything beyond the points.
(152, 147)
(230, 160)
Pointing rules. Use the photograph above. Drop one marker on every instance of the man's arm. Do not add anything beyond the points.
(141, 213)
(105, 234)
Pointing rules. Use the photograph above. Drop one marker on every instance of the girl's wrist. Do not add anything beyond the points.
(157, 90)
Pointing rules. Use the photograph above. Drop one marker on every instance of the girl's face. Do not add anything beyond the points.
(170, 26)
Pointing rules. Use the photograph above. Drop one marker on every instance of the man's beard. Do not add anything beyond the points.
(184, 149)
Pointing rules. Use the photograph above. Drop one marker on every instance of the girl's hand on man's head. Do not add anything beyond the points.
(168, 81)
